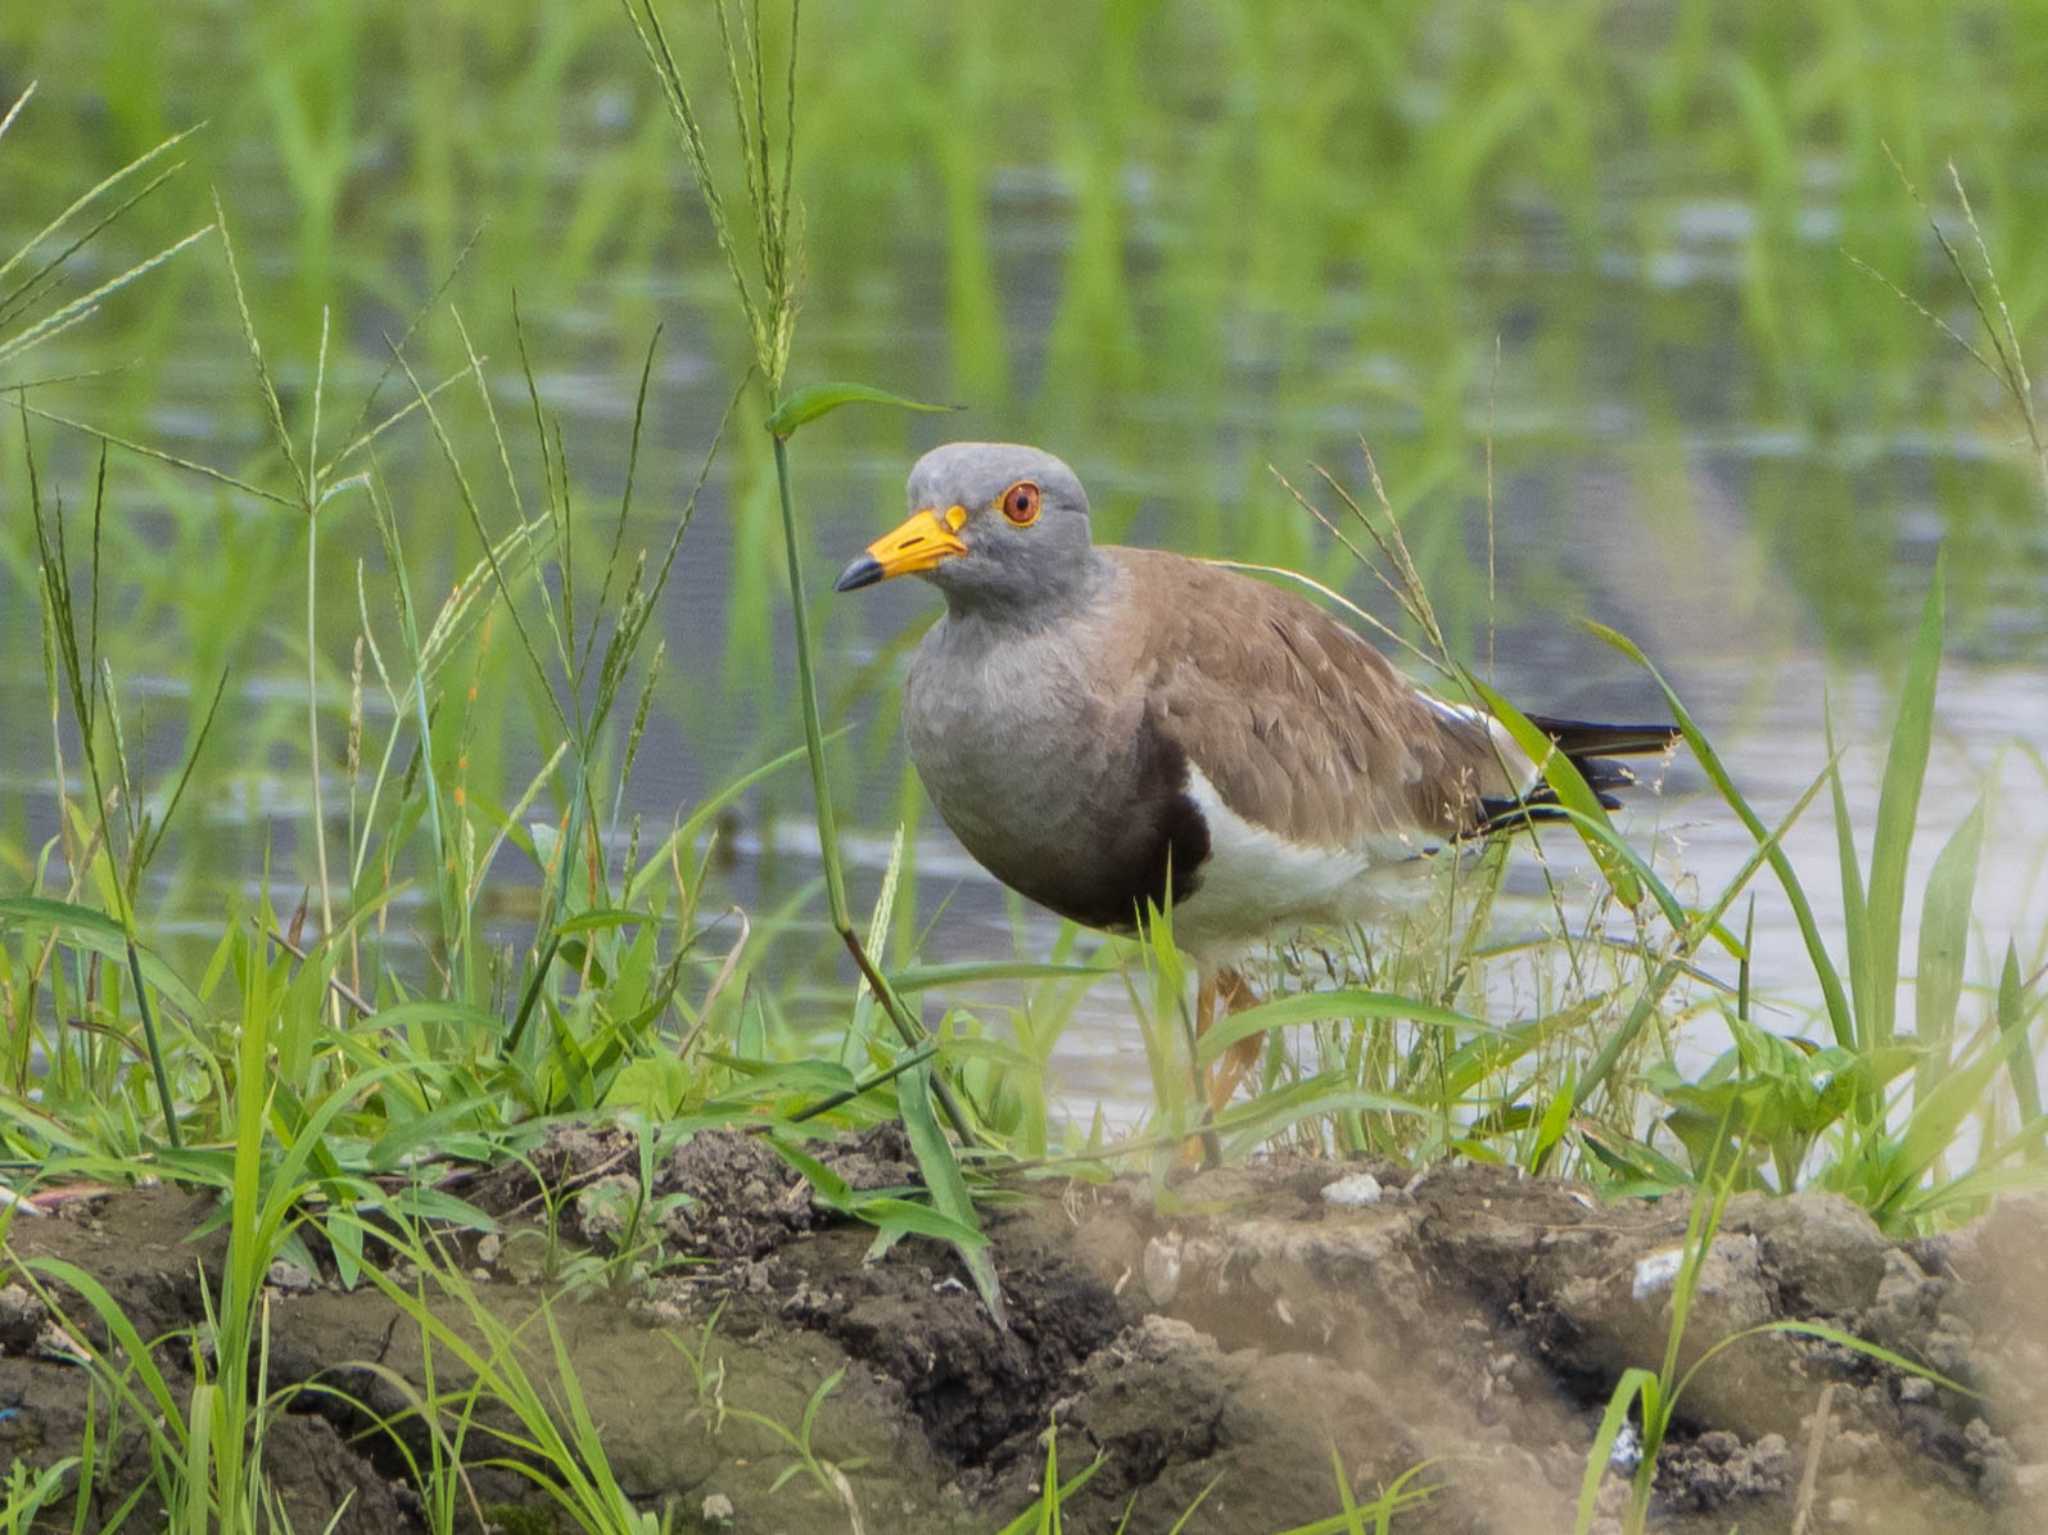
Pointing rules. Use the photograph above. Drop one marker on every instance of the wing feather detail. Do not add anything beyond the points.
(1302, 726)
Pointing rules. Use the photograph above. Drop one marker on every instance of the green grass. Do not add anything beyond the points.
(451, 625)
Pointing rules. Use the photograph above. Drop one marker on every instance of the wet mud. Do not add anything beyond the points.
(1217, 1341)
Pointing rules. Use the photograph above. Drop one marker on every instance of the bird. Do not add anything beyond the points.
(1112, 730)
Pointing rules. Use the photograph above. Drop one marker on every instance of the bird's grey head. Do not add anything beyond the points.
(998, 527)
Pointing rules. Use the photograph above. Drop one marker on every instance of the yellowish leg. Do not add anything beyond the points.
(1203, 1148)
(1205, 1005)
(1235, 994)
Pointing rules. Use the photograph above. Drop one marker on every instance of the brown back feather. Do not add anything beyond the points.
(1303, 727)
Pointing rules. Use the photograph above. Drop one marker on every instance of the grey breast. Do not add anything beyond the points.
(1040, 754)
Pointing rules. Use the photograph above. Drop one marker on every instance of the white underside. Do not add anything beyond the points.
(1257, 885)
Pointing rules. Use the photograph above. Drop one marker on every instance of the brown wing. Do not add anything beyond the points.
(1303, 727)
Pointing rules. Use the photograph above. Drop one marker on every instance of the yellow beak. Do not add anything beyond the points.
(925, 539)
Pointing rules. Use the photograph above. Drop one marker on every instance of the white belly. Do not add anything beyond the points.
(1256, 885)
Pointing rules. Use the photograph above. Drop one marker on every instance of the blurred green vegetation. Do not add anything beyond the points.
(1177, 240)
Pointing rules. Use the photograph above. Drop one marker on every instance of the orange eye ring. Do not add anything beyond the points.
(1020, 503)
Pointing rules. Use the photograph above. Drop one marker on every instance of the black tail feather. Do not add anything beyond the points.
(1591, 748)
(1513, 815)
(1604, 773)
(1539, 805)
(1584, 738)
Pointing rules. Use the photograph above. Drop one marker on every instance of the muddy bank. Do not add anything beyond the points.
(1227, 1337)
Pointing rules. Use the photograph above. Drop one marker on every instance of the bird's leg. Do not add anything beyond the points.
(1235, 994)
(1205, 1017)
(1205, 1005)
(1203, 1148)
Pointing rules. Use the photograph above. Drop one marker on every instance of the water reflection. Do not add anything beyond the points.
(1705, 428)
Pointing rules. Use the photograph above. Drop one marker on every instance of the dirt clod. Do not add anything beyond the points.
(1225, 1339)
(22, 1319)
(743, 1200)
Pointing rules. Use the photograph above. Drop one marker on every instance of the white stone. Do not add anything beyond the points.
(1162, 1269)
(1657, 1272)
(1352, 1193)
(289, 1277)
(1627, 1453)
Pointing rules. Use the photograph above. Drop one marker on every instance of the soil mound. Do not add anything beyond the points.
(1221, 1338)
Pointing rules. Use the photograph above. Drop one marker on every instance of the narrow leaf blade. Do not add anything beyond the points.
(948, 1188)
(2012, 1024)
(1944, 937)
(815, 400)
(1898, 808)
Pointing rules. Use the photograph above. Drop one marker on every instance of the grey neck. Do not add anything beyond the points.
(1053, 593)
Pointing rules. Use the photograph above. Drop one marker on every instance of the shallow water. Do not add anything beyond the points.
(1751, 485)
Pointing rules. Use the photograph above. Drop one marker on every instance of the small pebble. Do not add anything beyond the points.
(21, 1318)
(289, 1277)
(21, 1202)
(1657, 1272)
(1916, 1388)
(1162, 1269)
(1627, 1453)
(717, 1509)
(1354, 1192)
(1719, 1445)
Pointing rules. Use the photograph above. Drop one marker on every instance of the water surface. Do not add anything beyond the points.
(1611, 337)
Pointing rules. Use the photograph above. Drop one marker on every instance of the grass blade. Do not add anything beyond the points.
(1769, 848)
(1855, 894)
(1571, 789)
(146, 451)
(1321, 1006)
(2012, 1025)
(59, 319)
(1898, 808)
(1944, 935)
(942, 1176)
(91, 195)
(1612, 1421)
(1839, 1015)
(815, 400)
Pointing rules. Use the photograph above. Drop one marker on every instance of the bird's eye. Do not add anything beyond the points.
(1020, 503)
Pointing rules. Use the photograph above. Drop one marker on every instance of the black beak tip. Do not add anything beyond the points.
(865, 571)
